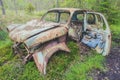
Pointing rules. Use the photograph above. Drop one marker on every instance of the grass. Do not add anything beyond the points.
(12, 18)
(79, 70)
(115, 30)
(62, 65)
(5, 51)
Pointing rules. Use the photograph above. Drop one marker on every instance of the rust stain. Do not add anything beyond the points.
(41, 57)
(46, 36)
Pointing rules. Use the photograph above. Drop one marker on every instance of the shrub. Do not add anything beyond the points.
(30, 8)
(110, 10)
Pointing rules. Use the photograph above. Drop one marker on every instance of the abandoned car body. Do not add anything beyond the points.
(42, 38)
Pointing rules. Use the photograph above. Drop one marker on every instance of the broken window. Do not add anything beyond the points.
(58, 17)
(64, 17)
(90, 18)
(80, 17)
(51, 16)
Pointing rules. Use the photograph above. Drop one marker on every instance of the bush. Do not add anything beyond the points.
(110, 10)
(30, 8)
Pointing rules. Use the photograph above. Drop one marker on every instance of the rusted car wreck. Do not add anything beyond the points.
(40, 39)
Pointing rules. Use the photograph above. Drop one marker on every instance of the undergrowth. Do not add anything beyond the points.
(62, 66)
(115, 31)
(79, 70)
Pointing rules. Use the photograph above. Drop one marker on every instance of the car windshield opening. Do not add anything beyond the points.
(57, 17)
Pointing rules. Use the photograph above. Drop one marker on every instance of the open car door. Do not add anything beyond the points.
(97, 33)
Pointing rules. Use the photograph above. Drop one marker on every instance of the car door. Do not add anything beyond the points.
(97, 33)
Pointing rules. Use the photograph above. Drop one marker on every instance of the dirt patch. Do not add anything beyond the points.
(113, 66)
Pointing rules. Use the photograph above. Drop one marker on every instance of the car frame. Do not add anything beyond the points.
(41, 38)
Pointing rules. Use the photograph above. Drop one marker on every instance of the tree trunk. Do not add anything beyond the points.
(57, 5)
(3, 9)
(15, 5)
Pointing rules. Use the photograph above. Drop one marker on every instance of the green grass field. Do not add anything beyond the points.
(62, 66)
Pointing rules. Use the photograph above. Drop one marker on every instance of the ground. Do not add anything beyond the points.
(112, 63)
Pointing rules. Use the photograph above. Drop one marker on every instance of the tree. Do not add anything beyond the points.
(30, 8)
(15, 5)
(3, 9)
(108, 8)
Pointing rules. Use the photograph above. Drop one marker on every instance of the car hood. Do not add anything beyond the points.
(21, 32)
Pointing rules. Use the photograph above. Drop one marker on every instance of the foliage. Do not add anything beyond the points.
(11, 18)
(3, 35)
(5, 48)
(40, 13)
(79, 70)
(30, 8)
(110, 9)
(115, 30)
(82, 4)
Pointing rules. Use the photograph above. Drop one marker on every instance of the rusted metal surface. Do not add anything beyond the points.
(42, 38)
(46, 36)
(41, 57)
(20, 33)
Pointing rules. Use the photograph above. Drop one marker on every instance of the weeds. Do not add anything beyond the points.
(79, 70)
